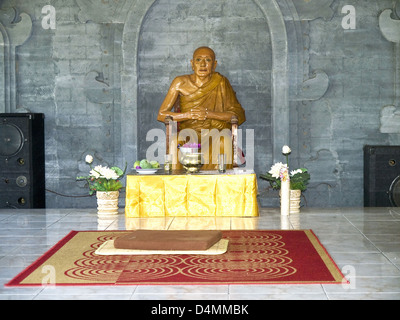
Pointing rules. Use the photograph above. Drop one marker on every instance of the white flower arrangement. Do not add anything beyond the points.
(103, 178)
(104, 172)
(280, 172)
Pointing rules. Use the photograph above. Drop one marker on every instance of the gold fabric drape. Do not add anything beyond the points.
(191, 195)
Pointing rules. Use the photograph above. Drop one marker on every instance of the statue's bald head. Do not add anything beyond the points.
(203, 62)
(201, 50)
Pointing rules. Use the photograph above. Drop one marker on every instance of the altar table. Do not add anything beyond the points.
(205, 194)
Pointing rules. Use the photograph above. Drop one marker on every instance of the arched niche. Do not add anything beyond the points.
(278, 77)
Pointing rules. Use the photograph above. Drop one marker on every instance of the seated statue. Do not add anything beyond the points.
(203, 100)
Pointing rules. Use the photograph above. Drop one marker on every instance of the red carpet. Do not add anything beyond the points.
(253, 257)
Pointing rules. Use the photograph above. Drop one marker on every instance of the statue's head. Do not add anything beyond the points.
(203, 62)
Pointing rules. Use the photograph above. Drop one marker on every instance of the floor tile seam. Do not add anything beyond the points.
(274, 286)
(51, 224)
(366, 292)
(37, 294)
(108, 228)
(29, 213)
(372, 263)
(48, 293)
(160, 294)
(363, 234)
(381, 277)
(324, 291)
(133, 292)
(5, 218)
(8, 215)
(15, 248)
(22, 293)
(69, 213)
(391, 262)
(381, 252)
(394, 212)
(20, 228)
(366, 295)
(372, 243)
(79, 297)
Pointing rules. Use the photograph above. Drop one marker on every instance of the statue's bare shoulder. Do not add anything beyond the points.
(183, 85)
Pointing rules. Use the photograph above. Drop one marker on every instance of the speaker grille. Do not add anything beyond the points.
(381, 168)
(22, 171)
(394, 192)
(11, 138)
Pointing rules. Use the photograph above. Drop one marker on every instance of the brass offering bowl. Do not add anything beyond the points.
(192, 162)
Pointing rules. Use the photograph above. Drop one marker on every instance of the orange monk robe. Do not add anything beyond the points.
(216, 95)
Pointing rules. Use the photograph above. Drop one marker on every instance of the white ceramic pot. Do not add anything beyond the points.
(107, 202)
(294, 203)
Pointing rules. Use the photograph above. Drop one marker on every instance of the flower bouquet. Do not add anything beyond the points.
(103, 178)
(299, 178)
(290, 184)
(190, 147)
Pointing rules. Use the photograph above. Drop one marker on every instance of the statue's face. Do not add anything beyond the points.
(203, 62)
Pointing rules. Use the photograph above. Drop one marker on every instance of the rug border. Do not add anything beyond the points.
(334, 270)
(16, 281)
(326, 257)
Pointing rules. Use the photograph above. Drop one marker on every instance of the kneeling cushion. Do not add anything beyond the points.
(168, 239)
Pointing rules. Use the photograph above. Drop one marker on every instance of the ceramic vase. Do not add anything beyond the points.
(295, 201)
(107, 202)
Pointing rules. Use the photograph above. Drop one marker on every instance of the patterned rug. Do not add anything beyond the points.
(253, 257)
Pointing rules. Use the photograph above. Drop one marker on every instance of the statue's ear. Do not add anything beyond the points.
(191, 63)
(215, 65)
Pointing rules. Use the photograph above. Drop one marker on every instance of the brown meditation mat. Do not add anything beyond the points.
(168, 239)
(108, 249)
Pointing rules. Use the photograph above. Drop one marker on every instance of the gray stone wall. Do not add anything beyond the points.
(304, 80)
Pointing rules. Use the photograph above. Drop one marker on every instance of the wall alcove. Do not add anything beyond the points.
(157, 47)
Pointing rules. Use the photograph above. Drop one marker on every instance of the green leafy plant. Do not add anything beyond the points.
(299, 178)
(103, 178)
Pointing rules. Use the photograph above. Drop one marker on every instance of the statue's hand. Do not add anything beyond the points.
(199, 114)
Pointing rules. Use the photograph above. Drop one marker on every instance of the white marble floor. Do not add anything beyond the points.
(364, 242)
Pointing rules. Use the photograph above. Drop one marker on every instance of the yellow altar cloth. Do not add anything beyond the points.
(187, 195)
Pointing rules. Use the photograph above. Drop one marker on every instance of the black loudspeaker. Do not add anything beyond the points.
(381, 176)
(22, 164)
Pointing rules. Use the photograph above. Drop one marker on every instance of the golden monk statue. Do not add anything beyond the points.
(206, 101)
